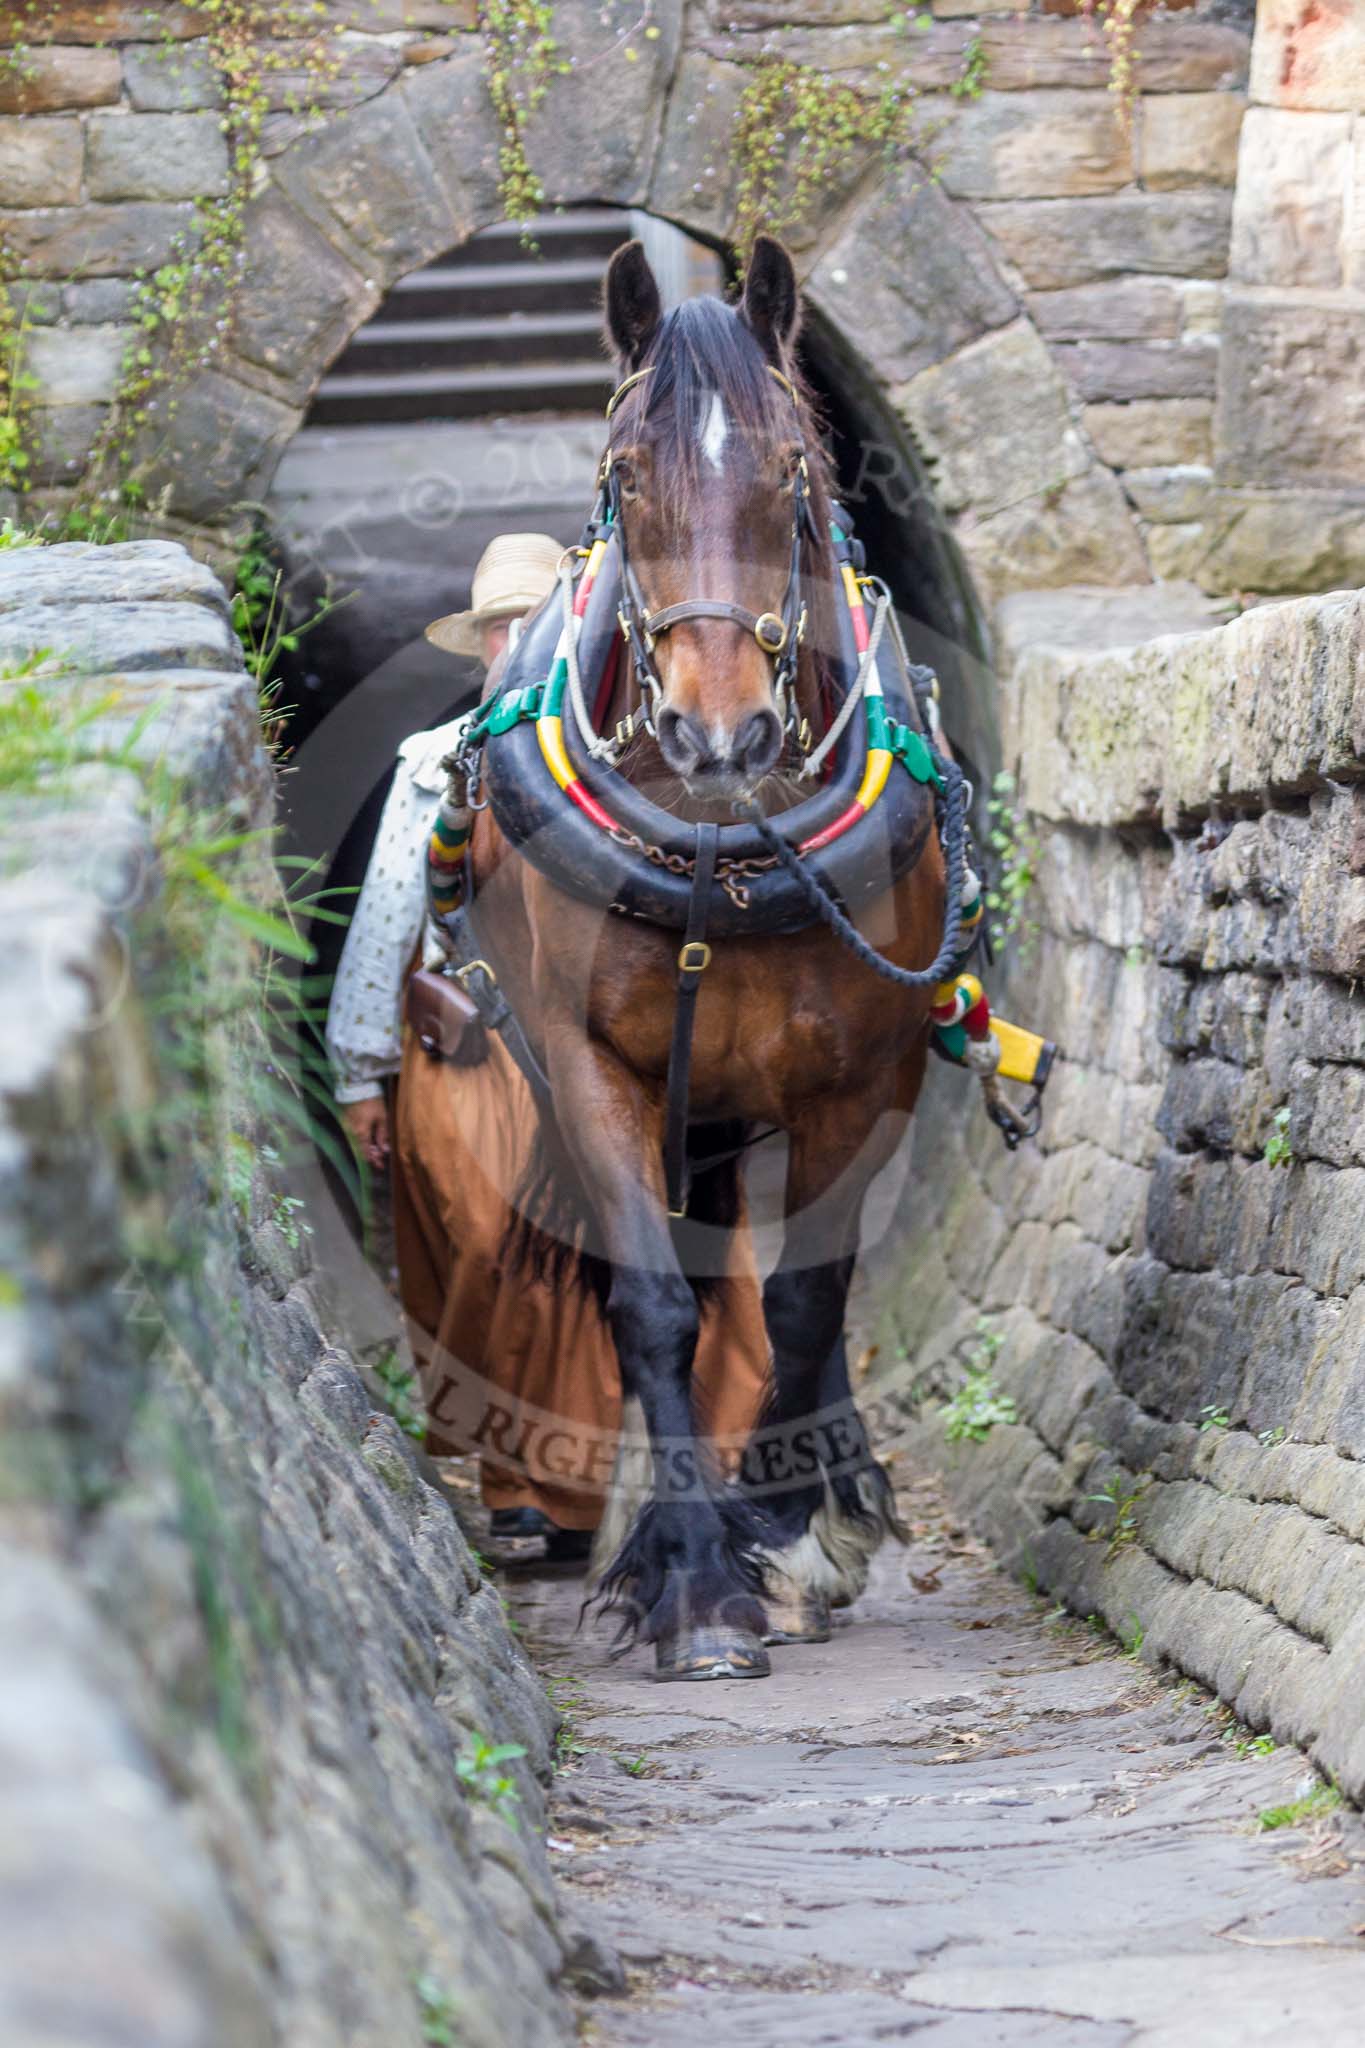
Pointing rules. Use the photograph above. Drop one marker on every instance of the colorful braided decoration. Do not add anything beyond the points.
(447, 847)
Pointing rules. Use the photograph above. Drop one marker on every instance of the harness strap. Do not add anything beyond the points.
(476, 977)
(772, 640)
(694, 957)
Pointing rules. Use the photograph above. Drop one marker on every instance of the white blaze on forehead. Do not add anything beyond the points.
(715, 429)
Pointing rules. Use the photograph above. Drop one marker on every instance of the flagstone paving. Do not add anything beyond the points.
(963, 1818)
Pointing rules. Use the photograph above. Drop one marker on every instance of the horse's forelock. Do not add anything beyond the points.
(701, 347)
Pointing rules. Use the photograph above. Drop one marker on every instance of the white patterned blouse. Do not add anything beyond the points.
(364, 1025)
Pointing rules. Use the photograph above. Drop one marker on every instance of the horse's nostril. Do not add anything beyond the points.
(682, 742)
(758, 743)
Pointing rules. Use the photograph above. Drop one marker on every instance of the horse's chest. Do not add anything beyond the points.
(769, 1030)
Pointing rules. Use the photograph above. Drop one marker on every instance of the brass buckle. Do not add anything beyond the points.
(475, 967)
(694, 957)
(770, 632)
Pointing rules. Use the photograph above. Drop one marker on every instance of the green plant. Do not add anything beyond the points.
(1314, 1805)
(265, 54)
(1015, 847)
(1123, 1500)
(978, 1404)
(1279, 1148)
(286, 1214)
(970, 82)
(262, 616)
(1131, 1636)
(436, 2012)
(1214, 1417)
(523, 56)
(1118, 18)
(17, 382)
(794, 128)
(403, 1395)
(1246, 1745)
(479, 1770)
(635, 1766)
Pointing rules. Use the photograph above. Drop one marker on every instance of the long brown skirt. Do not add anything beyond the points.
(522, 1372)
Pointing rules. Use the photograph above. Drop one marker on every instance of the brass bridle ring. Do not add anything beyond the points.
(770, 632)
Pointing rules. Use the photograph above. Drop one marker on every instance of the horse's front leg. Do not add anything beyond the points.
(828, 1502)
(686, 1572)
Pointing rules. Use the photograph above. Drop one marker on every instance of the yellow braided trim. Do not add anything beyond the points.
(550, 733)
(874, 777)
(594, 561)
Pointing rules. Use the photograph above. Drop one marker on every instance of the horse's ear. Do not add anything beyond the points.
(771, 306)
(634, 308)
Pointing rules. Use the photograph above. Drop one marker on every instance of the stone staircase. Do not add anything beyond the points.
(492, 328)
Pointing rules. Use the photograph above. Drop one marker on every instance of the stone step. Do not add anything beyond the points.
(345, 400)
(580, 231)
(555, 339)
(474, 290)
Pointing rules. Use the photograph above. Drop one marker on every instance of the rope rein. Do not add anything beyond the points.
(601, 749)
(815, 761)
(954, 834)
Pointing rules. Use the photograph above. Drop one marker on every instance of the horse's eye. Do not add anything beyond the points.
(791, 468)
(626, 480)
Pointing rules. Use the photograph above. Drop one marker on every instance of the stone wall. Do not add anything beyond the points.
(242, 1641)
(1043, 323)
(1180, 1314)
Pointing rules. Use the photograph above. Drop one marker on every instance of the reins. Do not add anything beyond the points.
(953, 830)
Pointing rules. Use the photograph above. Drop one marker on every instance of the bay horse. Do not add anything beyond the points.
(721, 493)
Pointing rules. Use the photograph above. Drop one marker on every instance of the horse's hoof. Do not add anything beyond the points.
(797, 1617)
(712, 1653)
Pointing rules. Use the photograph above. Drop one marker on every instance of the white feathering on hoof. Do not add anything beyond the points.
(832, 1555)
(627, 1493)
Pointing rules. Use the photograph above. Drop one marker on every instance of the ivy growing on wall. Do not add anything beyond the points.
(798, 126)
(182, 309)
(523, 56)
(1118, 19)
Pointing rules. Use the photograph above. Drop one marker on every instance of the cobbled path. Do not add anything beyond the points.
(963, 1821)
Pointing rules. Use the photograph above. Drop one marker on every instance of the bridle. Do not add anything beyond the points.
(778, 633)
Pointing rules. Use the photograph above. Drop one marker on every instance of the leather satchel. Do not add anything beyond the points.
(445, 1019)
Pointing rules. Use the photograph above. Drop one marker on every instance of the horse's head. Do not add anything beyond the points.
(708, 460)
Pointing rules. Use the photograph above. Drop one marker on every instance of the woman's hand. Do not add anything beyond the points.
(368, 1124)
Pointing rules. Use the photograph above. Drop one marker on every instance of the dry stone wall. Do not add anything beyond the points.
(1183, 1319)
(242, 1641)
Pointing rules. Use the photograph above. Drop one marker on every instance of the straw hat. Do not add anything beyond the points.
(516, 571)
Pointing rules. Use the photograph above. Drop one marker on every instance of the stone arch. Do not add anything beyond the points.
(908, 298)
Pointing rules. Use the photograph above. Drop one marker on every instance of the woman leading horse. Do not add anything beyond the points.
(719, 506)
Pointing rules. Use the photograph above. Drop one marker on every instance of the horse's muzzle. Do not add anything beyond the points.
(720, 764)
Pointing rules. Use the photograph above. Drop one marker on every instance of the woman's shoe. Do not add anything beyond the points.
(511, 1525)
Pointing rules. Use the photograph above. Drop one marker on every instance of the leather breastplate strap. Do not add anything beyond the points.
(475, 975)
(694, 957)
